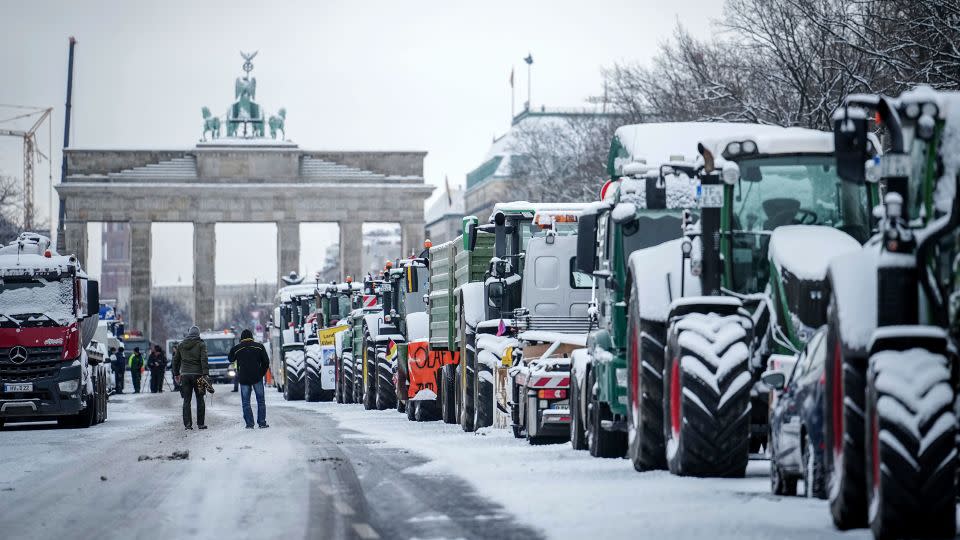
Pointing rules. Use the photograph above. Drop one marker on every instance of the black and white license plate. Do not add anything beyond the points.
(18, 387)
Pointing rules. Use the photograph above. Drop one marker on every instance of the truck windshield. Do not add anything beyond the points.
(786, 190)
(36, 301)
(219, 346)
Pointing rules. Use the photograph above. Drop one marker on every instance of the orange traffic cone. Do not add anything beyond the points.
(269, 378)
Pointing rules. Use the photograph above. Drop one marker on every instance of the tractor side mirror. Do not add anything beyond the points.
(774, 379)
(469, 233)
(587, 243)
(850, 144)
(93, 298)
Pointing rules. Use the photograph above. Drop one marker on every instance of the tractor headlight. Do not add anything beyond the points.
(748, 147)
(733, 149)
(686, 247)
(232, 373)
(69, 387)
(912, 111)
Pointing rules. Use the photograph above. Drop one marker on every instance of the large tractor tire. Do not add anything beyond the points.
(448, 394)
(293, 384)
(707, 386)
(369, 373)
(468, 369)
(483, 397)
(386, 391)
(346, 376)
(844, 428)
(645, 352)
(312, 388)
(427, 410)
(911, 457)
(601, 442)
(814, 477)
(578, 435)
(411, 410)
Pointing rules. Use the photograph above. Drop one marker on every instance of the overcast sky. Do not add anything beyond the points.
(363, 75)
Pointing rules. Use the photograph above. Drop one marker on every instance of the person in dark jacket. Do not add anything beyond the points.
(176, 382)
(119, 366)
(155, 363)
(136, 369)
(190, 365)
(252, 364)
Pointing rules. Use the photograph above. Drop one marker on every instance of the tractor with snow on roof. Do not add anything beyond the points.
(894, 309)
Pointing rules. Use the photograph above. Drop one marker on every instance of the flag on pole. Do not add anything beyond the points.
(528, 59)
(511, 77)
(446, 182)
(391, 350)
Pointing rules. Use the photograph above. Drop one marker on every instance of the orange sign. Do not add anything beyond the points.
(422, 368)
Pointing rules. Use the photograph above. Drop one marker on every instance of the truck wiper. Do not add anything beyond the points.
(55, 321)
(11, 319)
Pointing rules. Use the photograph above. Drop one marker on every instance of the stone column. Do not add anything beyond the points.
(75, 241)
(411, 238)
(140, 281)
(204, 274)
(288, 249)
(351, 249)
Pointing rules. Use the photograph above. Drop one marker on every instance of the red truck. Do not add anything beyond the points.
(48, 315)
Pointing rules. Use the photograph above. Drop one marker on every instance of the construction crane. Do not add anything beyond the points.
(31, 152)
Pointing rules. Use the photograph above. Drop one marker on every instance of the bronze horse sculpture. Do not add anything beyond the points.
(277, 122)
(211, 124)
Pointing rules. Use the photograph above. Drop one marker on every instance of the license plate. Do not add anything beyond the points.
(18, 387)
(564, 406)
(711, 196)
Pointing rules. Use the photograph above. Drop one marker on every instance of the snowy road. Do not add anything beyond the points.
(302, 478)
(336, 471)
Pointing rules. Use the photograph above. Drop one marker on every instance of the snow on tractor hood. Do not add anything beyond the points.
(806, 250)
(286, 293)
(774, 140)
(658, 143)
(651, 267)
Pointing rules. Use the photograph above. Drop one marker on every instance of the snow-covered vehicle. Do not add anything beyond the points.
(491, 291)
(48, 314)
(773, 213)
(640, 207)
(893, 326)
(293, 304)
(405, 322)
(795, 444)
(335, 302)
(363, 338)
(527, 354)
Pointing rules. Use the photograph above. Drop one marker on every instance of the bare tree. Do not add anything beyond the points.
(563, 158)
(11, 206)
(790, 62)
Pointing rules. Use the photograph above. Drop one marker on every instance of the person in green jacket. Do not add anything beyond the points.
(136, 369)
(189, 365)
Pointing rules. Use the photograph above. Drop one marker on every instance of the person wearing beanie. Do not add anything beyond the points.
(189, 366)
(252, 363)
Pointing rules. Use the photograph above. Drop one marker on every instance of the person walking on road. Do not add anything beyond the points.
(155, 364)
(136, 369)
(119, 366)
(189, 366)
(252, 364)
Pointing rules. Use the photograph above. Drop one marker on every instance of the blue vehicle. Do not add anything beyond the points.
(796, 440)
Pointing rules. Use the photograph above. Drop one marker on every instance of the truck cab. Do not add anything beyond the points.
(293, 304)
(49, 310)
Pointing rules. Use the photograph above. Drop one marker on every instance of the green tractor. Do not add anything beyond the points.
(891, 369)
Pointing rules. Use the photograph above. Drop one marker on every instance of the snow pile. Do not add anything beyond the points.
(553, 337)
(853, 278)
(473, 307)
(491, 348)
(418, 326)
(656, 271)
(806, 250)
(657, 143)
(774, 140)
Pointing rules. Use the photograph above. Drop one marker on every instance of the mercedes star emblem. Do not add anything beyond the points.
(18, 355)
